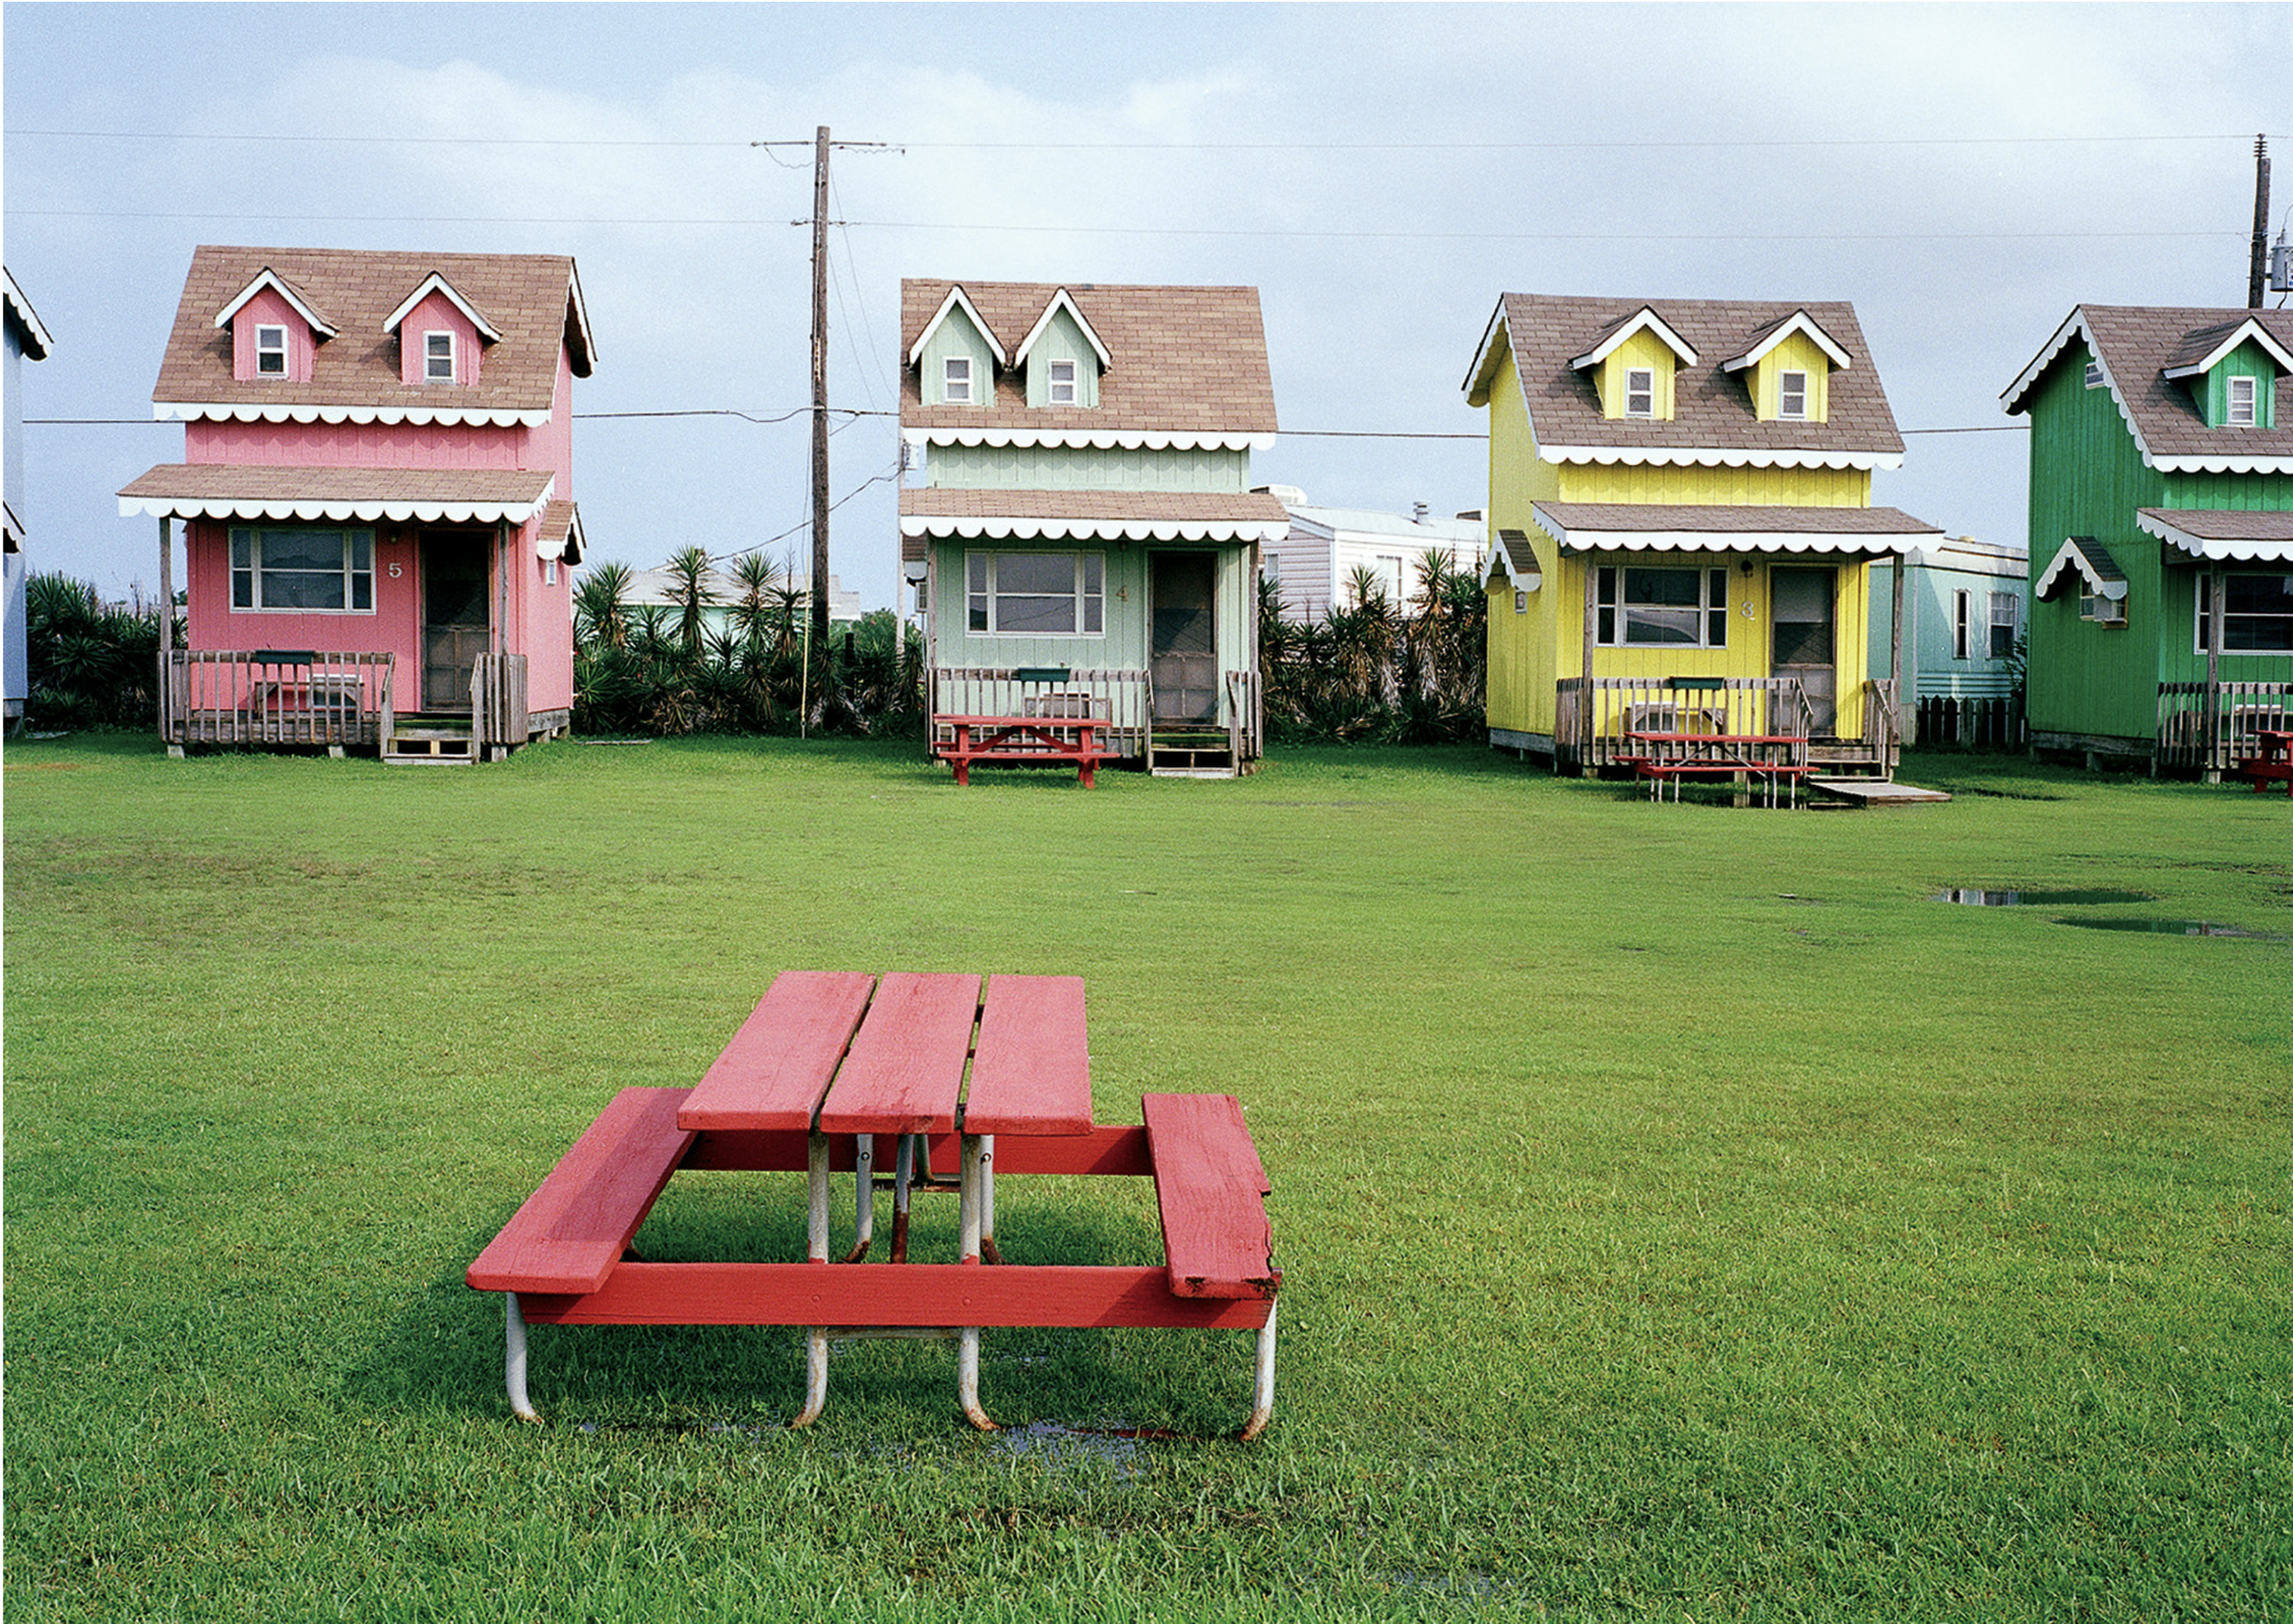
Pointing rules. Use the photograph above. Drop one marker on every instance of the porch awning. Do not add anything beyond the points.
(234, 491)
(2212, 535)
(2091, 562)
(1093, 515)
(1655, 527)
(560, 533)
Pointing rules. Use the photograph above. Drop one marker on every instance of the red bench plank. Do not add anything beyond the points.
(778, 1066)
(1032, 1074)
(873, 1294)
(572, 1231)
(905, 1067)
(1117, 1151)
(1211, 1189)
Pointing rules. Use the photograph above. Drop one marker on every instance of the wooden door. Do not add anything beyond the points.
(454, 593)
(1803, 609)
(1183, 646)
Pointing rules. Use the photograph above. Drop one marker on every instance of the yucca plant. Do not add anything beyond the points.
(600, 607)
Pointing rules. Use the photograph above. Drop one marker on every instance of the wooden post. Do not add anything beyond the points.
(167, 635)
(1585, 695)
(1903, 696)
(2257, 278)
(820, 387)
(2217, 600)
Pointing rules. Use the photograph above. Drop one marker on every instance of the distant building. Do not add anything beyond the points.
(1962, 609)
(1314, 564)
(27, 340)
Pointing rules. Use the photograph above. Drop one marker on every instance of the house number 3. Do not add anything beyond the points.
(1749, 613)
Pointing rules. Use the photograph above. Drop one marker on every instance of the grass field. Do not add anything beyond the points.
(1683, 1216)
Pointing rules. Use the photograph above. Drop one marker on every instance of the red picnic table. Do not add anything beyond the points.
(1676, 755)
(2275, 764)
(827, 1064)
(1023, 740)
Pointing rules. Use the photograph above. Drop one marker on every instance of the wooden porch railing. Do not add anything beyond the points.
(497, 701)
(274, 696)
(1882, 729)
(1595, 714)
(1121, 698)
(2210, 726)
(1246, 716)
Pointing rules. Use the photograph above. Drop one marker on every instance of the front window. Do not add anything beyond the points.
(2005, 619)
(313, 570)
(1035, 594)
(1640, 392)
(955, 379)
(1962, 624)
(438, 357)
(2243, 396)
(271, 352)
(1792, 396)
(2257, 615)
(1062, 390)
(1669, 608)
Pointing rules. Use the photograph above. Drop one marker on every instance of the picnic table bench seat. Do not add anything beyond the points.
(572, 1232)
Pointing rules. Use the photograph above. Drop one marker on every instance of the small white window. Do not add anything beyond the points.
(438, 357)
(955, 379)
(271, 352)
(548, 572)
(2005, 619)
(2243, 396)
(1792, 396)
(2094, 374)
(1520, 601)
(1062, 390)
(1962, 624)
(2101, 611)
(1640, 392)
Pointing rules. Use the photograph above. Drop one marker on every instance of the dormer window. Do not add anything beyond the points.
(270, 351)
(1792, 396)
(1062, 383)
(1640, 392)
(438, 357)
(955, 379)
(2242, 402)
(2094, 378)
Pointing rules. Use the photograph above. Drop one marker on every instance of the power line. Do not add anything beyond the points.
(852, 414)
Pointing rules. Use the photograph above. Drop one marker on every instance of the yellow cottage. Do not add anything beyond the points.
(1681, 528)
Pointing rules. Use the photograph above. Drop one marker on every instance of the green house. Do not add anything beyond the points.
(2161, 534)
(1078, 522)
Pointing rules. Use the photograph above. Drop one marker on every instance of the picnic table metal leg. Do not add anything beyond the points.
(863, 1197)
(1262, 1396)
(988, 1249)
(974, 1175)
(815, 1251)
(513, 1361)
(904, 1169)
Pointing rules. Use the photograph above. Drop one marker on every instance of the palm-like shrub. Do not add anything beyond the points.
(89, 664)
(1369, 668)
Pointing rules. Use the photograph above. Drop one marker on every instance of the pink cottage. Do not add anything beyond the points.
(377, 496)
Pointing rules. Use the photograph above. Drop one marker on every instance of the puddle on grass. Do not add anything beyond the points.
(1052, 1445)
(1977, 899)
(2173, 927)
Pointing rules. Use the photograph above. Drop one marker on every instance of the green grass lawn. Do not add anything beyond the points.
(1683, 1216)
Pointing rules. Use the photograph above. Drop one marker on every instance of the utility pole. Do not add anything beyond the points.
(2258, 278)
(820, 386)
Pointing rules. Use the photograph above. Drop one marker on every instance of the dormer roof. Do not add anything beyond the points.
(532, 302)
(1060, 301)
(32, 338)
(2086, 560)
(1775, 333)
(958, 299)
(2138, 346)
(267, 278)
(435, 283)
(1713, 422)
(1644, 320)
(1185, 366)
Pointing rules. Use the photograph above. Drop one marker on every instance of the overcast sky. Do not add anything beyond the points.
(1964, 175)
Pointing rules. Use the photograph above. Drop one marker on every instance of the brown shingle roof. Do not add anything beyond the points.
(1184, 359)
(2137, 343)
(1145, 506)
(1712, 407)
(2213, 524)
(528, 297)
(1719, 521)
(231, 482)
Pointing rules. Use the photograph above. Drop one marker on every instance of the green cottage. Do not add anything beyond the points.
(1084, 540)
(2161, 534)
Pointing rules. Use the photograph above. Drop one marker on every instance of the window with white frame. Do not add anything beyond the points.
(1792, 396)
(1962, 624)
(1388, 571)
(1035, 594)
(270, 351)
(2257, 615)
(438, 357)
(955, 379)
(1675, 608)
(1061, 392)
(2244, 396)
(2005, 619)
(310, 569)
(2101, 610)
(2094, 378)
(1640, 392)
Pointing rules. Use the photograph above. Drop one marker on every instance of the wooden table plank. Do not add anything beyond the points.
(572, 1231)
(905, 1067)
(1211, 1188)
(1032, 1074)
(774, 1072)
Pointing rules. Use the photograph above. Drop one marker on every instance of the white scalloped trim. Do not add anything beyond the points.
(2211, 552)
(428, 513)
(303, 411)
(944, 527)
(2071, 556)
(2223, 465)
(1712, 457)
(1090, 439)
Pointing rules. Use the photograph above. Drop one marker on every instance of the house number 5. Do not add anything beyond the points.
(398, 572)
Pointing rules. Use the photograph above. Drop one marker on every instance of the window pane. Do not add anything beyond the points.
(242, 589)
(362, 591)
(302, 549)
(2259, 594)
(1666, 587)
(1025, 614)
(1660, 626)
(361, 550)
(242, 543)
(301, 589)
